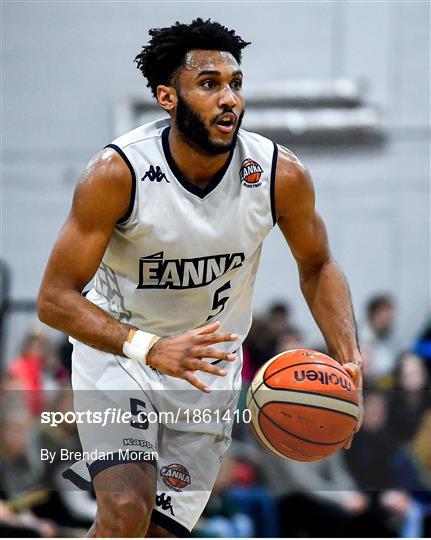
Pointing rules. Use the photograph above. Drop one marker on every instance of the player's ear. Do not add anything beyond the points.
(167, 97)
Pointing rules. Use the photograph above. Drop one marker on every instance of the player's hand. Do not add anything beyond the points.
(354, 369)
(181, 355)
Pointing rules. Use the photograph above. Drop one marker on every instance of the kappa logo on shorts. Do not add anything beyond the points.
(250, 173)
(165, 502)
(129, 441)
(175, 476)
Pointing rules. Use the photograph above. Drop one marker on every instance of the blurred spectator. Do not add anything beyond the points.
(255, 345)
(33, 492)
(376, 460)
(290, 338)
(277, 321)
(421, 448)
(65, 349)
(323, 489)
(261, 342)
(248, 368)
(20, 476)
(377, 340)
(222, 516)
(421, 451)
(37, 369)
(410, 397)
(422, 347)
(12, 393)
(23, 523)
(69, 508)
(20, 465)
(239, 506)
(249, 493)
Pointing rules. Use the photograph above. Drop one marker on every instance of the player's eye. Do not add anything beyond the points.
(209, 83)
(236, 84)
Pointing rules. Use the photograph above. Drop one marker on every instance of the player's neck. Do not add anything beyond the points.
(198, 167)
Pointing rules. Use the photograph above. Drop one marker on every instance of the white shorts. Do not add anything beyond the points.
(131, 412)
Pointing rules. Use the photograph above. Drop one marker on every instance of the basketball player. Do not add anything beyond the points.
(170, 218)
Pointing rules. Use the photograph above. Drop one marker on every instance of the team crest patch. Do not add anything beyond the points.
(175, 476)
(250, 173)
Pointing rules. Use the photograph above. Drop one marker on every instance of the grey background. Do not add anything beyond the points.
(66, 65)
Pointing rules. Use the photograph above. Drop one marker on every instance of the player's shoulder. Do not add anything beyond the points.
(141, 135)
(293, 184)
(289, 167)
(292, 179)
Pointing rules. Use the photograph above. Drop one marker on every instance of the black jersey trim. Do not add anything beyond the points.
(201, 193)
(272, 184)
(77, 480)
(127, 215)
(169, 524)
(101, 464)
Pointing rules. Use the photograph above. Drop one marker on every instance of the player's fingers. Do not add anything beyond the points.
(200, 365)
(209, 329)
(191, 378)
(209, 339)
(209, 352)
(348, 443)
(355, 373)
(361, 412)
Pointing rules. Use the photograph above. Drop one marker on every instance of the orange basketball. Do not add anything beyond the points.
(303, 404)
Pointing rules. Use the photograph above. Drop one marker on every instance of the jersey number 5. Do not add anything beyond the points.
(218, 302)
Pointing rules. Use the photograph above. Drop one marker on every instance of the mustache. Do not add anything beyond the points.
(228, 110)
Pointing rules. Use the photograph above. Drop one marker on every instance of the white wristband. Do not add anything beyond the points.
(139, 346)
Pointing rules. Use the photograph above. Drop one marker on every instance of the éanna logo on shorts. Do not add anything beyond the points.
(323, 378)
(129, 441)
(175, 476)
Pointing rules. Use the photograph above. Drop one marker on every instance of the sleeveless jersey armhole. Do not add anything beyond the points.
(123, 220)
(272, 184)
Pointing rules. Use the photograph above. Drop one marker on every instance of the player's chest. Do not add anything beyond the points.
(227, 220)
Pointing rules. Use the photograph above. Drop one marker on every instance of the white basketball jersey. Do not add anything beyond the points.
(183, 256)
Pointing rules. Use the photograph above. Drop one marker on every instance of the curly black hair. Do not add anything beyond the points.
(166, 51)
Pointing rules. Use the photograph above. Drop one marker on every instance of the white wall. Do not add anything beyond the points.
(65, 65)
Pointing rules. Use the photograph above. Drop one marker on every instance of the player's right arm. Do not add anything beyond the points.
(101, 199)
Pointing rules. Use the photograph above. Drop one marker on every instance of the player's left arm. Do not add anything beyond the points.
(322, 282)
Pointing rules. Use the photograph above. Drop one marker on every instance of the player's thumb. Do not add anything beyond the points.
(355, 373)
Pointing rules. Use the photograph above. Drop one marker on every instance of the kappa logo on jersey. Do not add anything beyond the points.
(165, 502)
(175, 476)
(155, 174)
(250, 173)
(155, 272)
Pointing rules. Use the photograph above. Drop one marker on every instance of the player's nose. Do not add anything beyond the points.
(227, 97)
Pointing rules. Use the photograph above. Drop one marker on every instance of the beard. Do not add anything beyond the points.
(193, 130)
